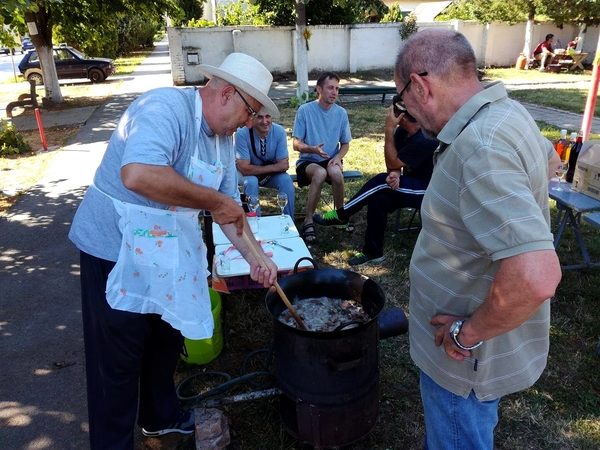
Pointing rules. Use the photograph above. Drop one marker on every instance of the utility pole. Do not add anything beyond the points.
(590, 105)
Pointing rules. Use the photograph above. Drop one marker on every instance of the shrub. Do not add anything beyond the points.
(296, 101)
(11, 142)
(408, 26)
(200, 23)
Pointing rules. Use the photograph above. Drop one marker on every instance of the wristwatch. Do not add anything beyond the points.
(455, 330)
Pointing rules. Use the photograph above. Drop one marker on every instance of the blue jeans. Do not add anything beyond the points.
(456, 423)
(280, 181)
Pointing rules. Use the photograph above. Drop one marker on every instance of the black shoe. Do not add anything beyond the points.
(186, 425)
(329, 218)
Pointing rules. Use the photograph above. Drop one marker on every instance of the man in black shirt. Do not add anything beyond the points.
(409, 161)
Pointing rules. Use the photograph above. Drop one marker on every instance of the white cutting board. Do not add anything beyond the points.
(229, 262)
(269, 227)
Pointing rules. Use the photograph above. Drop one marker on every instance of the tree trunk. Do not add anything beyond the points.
(582, 31)
(53, 92)
(40, 30)
(528, 35)
(301, 51)
(529, 31)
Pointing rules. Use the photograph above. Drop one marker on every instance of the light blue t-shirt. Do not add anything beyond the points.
(276, 146)
(157, 129)
(315, 125)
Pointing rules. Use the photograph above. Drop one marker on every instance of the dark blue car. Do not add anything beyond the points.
(70, 63)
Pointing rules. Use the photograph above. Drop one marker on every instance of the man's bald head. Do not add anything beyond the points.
(444, 53)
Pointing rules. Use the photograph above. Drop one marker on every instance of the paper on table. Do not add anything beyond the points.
(229, 263)
(269, 228)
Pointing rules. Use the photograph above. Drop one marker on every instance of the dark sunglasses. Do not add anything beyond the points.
(251, 111)
(398, 102)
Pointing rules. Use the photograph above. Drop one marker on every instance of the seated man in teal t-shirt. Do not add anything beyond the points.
(262, 158)
(322, 136)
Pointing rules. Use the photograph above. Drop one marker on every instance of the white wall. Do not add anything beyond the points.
(349, 48)
(329, 47)
(370, 46)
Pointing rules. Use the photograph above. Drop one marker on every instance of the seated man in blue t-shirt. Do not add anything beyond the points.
(409, 161)
(262, 158)
(322, 136)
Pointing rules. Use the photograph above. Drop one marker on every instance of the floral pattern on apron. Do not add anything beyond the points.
(162, 266)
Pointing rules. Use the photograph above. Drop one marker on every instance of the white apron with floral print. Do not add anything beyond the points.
(162, 266)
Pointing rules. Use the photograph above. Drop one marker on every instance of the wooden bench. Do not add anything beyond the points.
(368, 90)
(348, 175)
(29, 99)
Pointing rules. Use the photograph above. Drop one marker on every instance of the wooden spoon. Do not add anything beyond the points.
(261, 258)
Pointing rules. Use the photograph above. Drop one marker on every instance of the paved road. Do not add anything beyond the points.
(42, 387)
(6, 66)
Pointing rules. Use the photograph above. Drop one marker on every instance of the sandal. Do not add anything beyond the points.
(308, 232)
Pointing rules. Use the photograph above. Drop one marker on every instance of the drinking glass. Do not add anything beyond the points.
(253, 207)
(282, 200)
(561, 171)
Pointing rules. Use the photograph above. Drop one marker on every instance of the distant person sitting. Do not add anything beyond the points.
(409, 161)
(544, 52)
(573, 44)
(262, 158)
(322, 137)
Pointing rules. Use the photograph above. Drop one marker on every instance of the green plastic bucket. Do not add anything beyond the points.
(203, 351)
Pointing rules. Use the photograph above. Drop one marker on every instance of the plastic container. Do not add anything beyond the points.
(203, 351)
(521, 62)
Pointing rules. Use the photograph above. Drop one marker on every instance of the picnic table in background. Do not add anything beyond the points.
(571, 62)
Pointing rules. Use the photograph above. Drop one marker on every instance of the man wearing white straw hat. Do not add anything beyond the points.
(143, 261)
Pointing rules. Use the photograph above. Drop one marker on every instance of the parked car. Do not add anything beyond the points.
(6, 51)
(70, 63)
(26, 44)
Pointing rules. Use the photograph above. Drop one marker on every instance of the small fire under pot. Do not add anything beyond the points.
(330, 380)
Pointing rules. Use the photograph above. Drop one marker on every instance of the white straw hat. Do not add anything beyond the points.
(246, 73)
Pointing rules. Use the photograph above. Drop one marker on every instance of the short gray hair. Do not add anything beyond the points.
(437, 52)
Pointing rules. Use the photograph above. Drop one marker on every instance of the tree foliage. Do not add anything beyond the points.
(487, 11)
(323, 12)
(574, 11)
(191, 9)
(394, 14)
(99, 27)
(240, 13)
(515, 11)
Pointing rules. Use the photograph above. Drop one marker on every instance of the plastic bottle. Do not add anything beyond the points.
(562, 144)
(575, 149)
(569, 149)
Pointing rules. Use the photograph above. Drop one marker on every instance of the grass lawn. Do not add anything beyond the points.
(562, 411)
(572, 100)
(528, 86)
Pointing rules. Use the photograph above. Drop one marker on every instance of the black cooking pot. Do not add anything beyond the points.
(332, 283)
(329, 380)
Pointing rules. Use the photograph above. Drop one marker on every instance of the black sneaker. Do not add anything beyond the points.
(361, 258)
(186, 425)
(329, 218)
